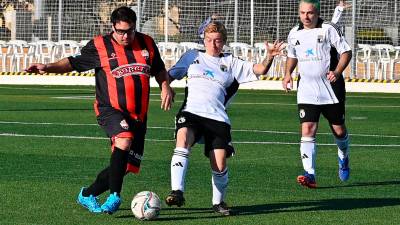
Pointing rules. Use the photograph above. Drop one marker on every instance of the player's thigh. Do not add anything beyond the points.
(187, 130)
(334, 113)
(217, 135)
(308, 112)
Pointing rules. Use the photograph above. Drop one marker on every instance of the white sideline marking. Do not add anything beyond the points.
(244, 103)
(171, 140)
(171, 128)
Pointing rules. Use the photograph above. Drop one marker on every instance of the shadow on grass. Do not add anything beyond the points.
(169, 214)
(364, 184)
(317, 205)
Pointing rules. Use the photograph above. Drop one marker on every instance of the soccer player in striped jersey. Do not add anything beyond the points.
(213, 79)
(321, 54)
(123, 61)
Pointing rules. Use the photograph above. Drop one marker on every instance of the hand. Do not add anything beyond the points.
(287, 83)
(167, 97)
(36, 68)
(275, 49)
(332, 76)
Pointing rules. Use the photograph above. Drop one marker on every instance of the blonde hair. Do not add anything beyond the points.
(216, 27)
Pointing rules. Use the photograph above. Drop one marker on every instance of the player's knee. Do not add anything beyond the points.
(123, 143)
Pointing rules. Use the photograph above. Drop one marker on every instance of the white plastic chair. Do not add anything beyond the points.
(260, 51)
(44, 51)
(65, 48)
(16, 54)
(364, 57)
(384, 60)
(30, 55)
(396, 60)
(3, 56)
(185, 46)
(169, 51)
(242, 50)
(83, 43)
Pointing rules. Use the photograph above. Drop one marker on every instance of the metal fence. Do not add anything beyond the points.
(249, 21)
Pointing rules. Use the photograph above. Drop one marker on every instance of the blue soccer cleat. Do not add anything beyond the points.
(112, 204)
(344, 169)
(307, 180)
(91, 202)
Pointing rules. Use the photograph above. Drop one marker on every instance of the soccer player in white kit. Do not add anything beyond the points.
(321, 54)
(213, 79)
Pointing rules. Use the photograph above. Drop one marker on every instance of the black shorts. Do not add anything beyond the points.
(217, 134)
(118, 124)
(334, 113)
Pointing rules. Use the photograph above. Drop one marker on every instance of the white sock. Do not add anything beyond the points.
(308, 150)
(179, 164)
(343, 146)
(219, 185)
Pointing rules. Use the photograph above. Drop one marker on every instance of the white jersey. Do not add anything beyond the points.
(317, 51)
(211, 82)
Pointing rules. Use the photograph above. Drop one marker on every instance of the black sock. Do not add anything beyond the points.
(118, 164)
(100, 185)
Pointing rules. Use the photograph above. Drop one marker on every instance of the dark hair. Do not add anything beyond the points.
(123, 14)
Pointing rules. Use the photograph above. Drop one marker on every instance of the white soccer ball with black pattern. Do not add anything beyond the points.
(146, 205)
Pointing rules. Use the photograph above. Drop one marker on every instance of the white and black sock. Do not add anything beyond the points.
(219, 185)
(343, 146)
(179, 164)
(308, 150)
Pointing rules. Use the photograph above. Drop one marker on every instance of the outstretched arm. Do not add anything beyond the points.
(272, 51)
(61, 66)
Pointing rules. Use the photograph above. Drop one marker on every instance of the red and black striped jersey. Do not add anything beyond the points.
(122, 73)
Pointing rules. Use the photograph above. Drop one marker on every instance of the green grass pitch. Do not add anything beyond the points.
(50, 146)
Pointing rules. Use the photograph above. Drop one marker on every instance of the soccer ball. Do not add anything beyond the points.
(146, 205)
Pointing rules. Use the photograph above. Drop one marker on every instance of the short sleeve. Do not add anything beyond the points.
(87, 59)
(243, 70)
(157, 64)
(291, 50)
(337, 39)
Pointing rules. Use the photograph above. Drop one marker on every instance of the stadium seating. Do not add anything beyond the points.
(16, 54)
(3, 56)
(384, 60)
(364, 57)
(260, 51)
(169, 51)
(242, 50)
(44, 51)
(65, 48)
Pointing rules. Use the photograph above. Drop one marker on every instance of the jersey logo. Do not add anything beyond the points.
(181, 119)
(310, 52)
(131, 69)
(223, 68)
(208, 73)
(320, 38)
(145, 54)
(124, 125)
(113, 56)
(297, 43)
(302, 113)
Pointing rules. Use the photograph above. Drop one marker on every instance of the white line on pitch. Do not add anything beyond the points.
(171, 128)
(171, 140)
